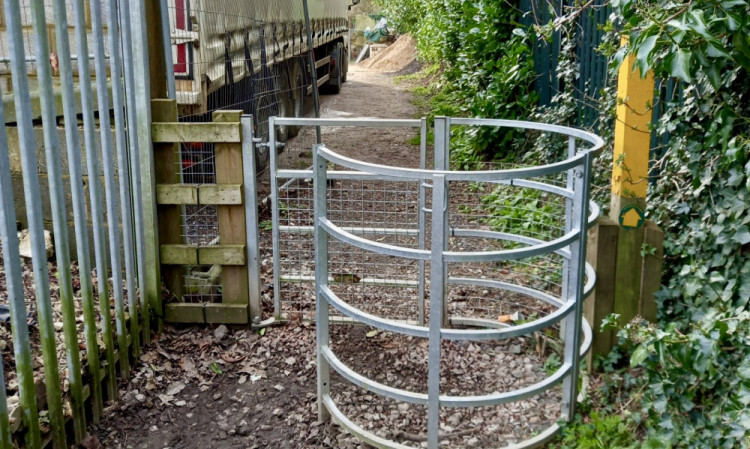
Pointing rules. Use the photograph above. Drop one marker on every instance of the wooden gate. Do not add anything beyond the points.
(230, 289)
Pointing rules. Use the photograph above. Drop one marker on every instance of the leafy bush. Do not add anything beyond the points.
(597, 432)
(695, 388)
(487, 59)
(527, 212)
(696, 360)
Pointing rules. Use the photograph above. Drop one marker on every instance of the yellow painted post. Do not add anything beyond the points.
(635, 96)
(630, 184)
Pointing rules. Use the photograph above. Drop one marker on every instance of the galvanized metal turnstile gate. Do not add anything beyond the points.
(566, 180)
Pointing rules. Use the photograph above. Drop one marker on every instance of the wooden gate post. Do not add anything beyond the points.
(232, 231)
(169, 216)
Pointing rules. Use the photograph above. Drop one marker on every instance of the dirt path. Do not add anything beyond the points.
(208, 387)
(214, 387)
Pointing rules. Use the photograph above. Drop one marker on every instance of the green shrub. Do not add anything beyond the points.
(597, 432)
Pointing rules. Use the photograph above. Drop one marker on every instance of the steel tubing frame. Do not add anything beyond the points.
(578, 276)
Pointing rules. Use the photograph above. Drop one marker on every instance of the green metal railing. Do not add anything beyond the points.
(108, 337)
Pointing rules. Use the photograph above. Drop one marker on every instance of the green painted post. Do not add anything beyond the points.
(62, 250)
(14, 291)
(5, 432)
(95, 193)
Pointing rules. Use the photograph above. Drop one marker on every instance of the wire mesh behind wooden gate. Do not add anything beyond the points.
(388, 210)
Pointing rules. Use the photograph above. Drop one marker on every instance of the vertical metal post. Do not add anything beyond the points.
(167, 40)
(569, 184)
(113, 212)
(274, 167)
(251, 216)
(572, 332)
(123, 170)
(62, 248)
(321, 279)
(13, 275)
(148, 186)
(437, 300)
(77, 195)
(135, 163)
(421, 218)
(5, 432)
(97, 218)
(313, 70)
(442, 162)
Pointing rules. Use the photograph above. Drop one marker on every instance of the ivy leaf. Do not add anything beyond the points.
(644, 51)
(744, 369)
(742, 236)
(639, 356)
(680, 67)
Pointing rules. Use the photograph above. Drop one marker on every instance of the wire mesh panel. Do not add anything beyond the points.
(251, 56)
(368, 206)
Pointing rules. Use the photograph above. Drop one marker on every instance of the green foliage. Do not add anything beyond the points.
(487, 60)
(696, 361)
(597, 432)
(523, 211)
(698, 380)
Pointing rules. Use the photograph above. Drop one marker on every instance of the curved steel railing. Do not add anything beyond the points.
(577, 283)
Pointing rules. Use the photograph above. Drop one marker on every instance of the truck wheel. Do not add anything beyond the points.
(334, 82)
(345, 65)
(285, 103)
(296, 95)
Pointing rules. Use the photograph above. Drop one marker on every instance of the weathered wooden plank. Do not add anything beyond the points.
(220, 194)
(184, 313)
(178, 254)
(601, 253)
(653, 261)
(173, 132)
(176, 194)
(232, 230)
(222, 255)
(169, 217)
(226, 313)
(628, 274)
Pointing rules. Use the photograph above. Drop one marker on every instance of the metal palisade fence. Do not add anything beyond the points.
(79, 321)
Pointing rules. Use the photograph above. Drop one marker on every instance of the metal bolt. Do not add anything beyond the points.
(579, 173)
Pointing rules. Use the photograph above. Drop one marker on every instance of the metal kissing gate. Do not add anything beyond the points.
(444, 242)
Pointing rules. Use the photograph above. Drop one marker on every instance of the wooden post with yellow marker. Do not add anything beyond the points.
(631, 269)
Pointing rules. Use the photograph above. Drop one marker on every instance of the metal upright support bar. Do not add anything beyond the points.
(62, 248)
(167, 40)
(251, 217)
(123, 171)
(569, 184)
(572, 330)
(77, 195)
(442, 162)
(5, 432)
(148, 184)
(274, 164)
(437, 300)
(321, 281)
(113, 212)
(313, 70)
(123, 7)
(14, 278)
(32, 196)
(421, 220)
(97, 218)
